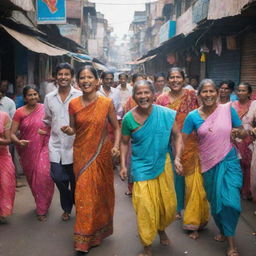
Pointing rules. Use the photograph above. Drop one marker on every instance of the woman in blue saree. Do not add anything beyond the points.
(217, 125)
(150, 128)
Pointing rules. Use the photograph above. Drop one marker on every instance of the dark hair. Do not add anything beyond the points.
(142, 82)
(176, 69)
(122, 74)
(249, 87)
(229, 83)
(64, 65)
(135, 76)
(206, 81)
(87, 67)
(27, 88)
(194, 77)
(159, 74)
(105, 73)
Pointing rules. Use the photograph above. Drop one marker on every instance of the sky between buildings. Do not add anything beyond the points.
(120, 13)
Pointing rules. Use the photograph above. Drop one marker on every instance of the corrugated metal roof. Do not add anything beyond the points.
(26, 5)
(33, 44)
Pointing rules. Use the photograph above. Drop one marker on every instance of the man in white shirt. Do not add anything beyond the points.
(6, 104)
(61, 145)
(108, 91)
(125, 90)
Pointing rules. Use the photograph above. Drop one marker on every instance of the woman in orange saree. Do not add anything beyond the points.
(196, 209)
(93, 151)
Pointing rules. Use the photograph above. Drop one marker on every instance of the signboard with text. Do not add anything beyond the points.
(51, 11)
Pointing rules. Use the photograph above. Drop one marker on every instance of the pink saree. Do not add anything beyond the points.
(249, 122)
(244, 148)
(7, 172)
(214, 139)
(35, 160)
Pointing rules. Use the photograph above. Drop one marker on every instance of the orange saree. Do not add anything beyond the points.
(94, 195)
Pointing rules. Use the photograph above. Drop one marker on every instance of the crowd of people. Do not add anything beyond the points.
(188, 151)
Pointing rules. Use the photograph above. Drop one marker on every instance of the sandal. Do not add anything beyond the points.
(65, 216)
(41, 218)
(178, 216)
(193, 235)
(219, 238)
(233, 252)
(164, 239)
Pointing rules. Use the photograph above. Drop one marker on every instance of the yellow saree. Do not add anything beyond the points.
(196, 210)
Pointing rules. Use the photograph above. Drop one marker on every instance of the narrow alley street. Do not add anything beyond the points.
(25, 236)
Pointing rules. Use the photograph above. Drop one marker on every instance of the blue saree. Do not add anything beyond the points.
(151, 143)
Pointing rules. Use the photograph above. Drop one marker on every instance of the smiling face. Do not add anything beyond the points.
(208, 95)
(123, 80)
(64, 77)
(176, 81)
(144, 97)
(108, 80)
(160, 83)
(32, 97)
(225, 91)
(87, 81)
(243, 92)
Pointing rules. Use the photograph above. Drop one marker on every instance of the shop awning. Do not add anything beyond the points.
(141, 61)
(34, 44)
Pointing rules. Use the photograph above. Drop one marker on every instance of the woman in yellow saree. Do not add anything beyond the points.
(196, 209)
(150, 128)
(93, 151)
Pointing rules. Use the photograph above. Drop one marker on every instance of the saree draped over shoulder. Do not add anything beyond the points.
(153, 197)
(245, 147)
(35, 159)
(7, 172)
(196, 213)
(94, 194)
(221, 169)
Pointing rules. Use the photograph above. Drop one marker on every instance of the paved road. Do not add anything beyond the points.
(25, 236)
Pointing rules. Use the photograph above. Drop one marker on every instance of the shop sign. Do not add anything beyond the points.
(51, 11)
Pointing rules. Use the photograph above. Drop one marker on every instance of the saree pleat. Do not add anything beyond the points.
(196, 215)
(222, 185)
(35, 159)
(94, 195)
(155, 203)
(189, 189)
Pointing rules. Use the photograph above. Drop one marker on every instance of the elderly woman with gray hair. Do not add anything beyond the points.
(151, 128)
(216, 126)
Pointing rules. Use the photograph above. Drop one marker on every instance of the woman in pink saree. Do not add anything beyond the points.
(7, 172)
(242, 106)
(33, 150)
(217, 126)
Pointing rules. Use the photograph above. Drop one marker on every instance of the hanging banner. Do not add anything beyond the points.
(51, 11)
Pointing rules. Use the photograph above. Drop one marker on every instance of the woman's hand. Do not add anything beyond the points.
(23, 143)
(67, 130)
(42, 132)
(115, 152)
(123, 173)
(253, 131)
(178, 166)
